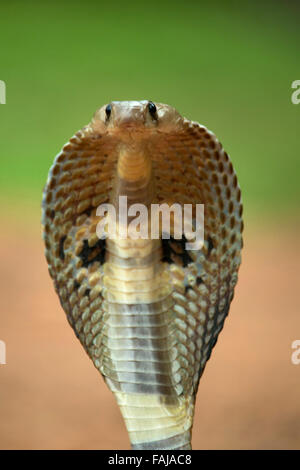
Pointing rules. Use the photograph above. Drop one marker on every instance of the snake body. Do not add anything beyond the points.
(147, 311)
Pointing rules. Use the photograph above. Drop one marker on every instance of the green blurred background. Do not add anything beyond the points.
(228, 65)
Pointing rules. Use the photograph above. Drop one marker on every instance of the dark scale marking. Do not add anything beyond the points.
(210, 245)
(88, 211)
(199, 280)
(166, 252)
(76, 285)
(87, 292)
(169, 252)
(61, 247)
(52, 214)
(187, 288)
(90, 254)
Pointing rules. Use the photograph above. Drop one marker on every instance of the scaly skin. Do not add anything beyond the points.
(147, 312)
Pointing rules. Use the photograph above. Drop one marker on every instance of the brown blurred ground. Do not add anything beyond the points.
(51, 396)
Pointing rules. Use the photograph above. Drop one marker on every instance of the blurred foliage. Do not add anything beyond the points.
(228, 65)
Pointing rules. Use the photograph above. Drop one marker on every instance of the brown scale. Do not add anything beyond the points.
(148, 313)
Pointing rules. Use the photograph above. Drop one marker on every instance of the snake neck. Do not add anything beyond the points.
(134, 176)
(138, 363)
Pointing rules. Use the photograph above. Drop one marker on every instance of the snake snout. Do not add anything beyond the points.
(127, 114)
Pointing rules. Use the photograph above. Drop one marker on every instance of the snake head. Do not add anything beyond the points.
(138, 118)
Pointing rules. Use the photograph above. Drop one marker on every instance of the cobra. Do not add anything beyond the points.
(147, 312)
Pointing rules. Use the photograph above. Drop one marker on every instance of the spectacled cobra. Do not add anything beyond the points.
(147, 311)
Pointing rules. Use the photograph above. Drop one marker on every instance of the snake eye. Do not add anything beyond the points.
(152, 109)
(108, 111)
